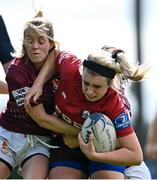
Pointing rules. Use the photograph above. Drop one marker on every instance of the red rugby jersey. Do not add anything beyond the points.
(20, 77)
(72, 106)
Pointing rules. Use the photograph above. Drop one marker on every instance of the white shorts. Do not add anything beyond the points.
(16, 147)
(138, 172)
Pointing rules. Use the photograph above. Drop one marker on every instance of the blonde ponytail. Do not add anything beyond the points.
(134, 73)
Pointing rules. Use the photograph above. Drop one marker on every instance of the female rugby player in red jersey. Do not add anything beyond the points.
(22, 140)
(84, 88)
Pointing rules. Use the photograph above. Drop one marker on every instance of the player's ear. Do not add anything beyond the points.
(52, 45)
(109, 82)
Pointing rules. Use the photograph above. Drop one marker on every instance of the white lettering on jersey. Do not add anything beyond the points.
(19, 95)
(64, 56)
(67, 119)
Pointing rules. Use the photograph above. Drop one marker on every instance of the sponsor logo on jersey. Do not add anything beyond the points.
(19, 95)
(122, 121)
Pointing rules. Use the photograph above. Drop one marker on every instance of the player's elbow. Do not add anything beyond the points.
(139, 156)
(137, 160)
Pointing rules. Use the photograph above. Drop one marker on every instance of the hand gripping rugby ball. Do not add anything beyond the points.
(102, 128)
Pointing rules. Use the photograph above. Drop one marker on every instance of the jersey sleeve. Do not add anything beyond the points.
(20, 78)
(123, 125)
(119, 111)
(6, 47)
(17, 84)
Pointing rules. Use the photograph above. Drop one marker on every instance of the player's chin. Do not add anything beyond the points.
(91, 99)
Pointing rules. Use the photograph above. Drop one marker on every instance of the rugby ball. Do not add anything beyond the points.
(103, 130)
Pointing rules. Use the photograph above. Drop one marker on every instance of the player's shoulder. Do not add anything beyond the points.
(68, 65)
(111, 104)
(16, 61)
(67, 56)
(20, 69)
(21, 63)
(17, 64)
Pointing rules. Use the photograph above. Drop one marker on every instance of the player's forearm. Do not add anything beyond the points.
(53, 123)
(129, 153)
(121, 156)
(47, 70)
(3, 88)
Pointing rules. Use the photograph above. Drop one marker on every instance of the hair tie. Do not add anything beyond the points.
(114, 54)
